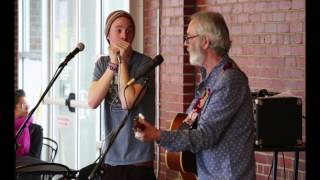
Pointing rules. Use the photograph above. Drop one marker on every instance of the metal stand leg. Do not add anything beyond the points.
(275, 163)
(296, 165)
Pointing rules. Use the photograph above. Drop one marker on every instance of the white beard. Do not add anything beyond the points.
(196, 57)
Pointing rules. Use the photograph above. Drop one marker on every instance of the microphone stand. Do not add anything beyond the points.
(55, 76)
(94, 172)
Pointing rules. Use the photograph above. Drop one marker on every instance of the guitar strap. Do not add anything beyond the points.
(201, 102)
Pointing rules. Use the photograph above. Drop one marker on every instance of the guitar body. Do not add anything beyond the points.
(185, 161)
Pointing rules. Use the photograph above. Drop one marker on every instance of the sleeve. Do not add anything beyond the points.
(19, 122)
(226, 98)
(100, 66)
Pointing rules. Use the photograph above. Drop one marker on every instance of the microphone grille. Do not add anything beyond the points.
(80, 46)
(158, 59)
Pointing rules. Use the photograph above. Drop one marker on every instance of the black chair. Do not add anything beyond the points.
(51, 147)
(28, 167)
(36, 140)
(39, 144)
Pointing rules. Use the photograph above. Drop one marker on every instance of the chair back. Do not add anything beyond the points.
(36, 140)
(51, 147)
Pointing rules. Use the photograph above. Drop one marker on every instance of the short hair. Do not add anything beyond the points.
(112, 17)
(17, 94)
(213, 25)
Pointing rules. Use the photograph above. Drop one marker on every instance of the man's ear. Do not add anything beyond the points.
(205, 43)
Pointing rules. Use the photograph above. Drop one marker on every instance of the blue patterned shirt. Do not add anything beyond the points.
(224, 138)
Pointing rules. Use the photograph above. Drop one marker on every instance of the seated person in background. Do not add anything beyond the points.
(20, 114)
(30, 141)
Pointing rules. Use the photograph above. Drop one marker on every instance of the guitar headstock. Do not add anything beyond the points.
(138, 122)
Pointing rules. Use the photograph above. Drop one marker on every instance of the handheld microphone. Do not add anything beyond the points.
(80, 47)
(146, 69)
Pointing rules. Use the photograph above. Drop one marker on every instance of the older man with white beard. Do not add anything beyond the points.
(221, 109)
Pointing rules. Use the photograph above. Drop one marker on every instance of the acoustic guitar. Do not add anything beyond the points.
(185, 161)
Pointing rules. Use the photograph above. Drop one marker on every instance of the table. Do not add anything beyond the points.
(296, 149)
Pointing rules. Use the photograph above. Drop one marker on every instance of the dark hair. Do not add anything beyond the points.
(17, 94)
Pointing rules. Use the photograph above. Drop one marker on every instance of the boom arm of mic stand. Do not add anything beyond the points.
(115, 134)
(19, 132)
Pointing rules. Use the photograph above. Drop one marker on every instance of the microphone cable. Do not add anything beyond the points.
(124, 94)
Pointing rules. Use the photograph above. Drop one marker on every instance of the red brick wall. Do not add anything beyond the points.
(268, 44)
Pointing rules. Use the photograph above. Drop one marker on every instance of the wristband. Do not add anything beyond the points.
(121, 61)
(113, 67)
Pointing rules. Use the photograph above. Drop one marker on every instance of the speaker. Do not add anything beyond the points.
(278, 121)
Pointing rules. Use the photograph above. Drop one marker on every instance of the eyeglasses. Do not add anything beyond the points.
(187, 38)
(23, 106)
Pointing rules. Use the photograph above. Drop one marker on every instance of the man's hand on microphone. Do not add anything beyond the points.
(122, 49)
(125, 50)
(149, 133)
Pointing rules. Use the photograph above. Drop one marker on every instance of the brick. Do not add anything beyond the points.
(222, 1)
(261, 6)
(165, 21)
(237, 8)
(284, 50)
(235, 29)
(273, 5)
(177, 21)
(266, 17)
(226, 9)
(242, 18)
(261, 158)
(295, 16)
(172, 97)
(298, 50)
(297, 38)
(270, 27)
(287, 162)
(249, 7)
(175, 3)
(259, 27)
(283, 28)
(298, 4)
(286, 39)
(285, 5)
(265, 39)
(254, 17)
(235, 51)
(279, 16)
(271, 51)
(296, 27)
(261, 177)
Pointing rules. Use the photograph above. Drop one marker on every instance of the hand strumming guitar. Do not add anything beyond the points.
(144, 131)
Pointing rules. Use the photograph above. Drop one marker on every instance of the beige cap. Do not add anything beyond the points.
(113, 16)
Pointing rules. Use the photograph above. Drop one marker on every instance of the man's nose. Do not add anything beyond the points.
(123, 36)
